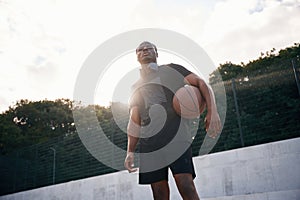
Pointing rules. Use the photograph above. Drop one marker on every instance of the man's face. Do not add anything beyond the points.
(146, 53)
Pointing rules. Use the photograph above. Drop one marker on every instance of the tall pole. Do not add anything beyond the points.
(237, 112)
(296, 76)
(54, 158)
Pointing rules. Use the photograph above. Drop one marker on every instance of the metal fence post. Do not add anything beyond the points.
(296, 76)
(15, 172)
(54, 158)
(237, 112)
(35, 165)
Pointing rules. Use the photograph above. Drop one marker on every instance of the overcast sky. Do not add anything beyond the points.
(43, 44)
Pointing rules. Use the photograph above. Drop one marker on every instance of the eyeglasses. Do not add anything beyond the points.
(143, 49)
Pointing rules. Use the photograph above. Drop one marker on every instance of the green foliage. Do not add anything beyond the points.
(268, 99)
(269, 107)
(226, 71)
(33, 164)
(10, 134)
(267, 62)
(30, 122)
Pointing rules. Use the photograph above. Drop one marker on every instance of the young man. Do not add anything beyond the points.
(154, 132)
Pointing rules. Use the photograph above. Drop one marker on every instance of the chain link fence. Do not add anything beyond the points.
(261, 108)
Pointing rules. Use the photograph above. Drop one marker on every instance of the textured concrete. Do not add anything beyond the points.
(281, 195)
(263, 172)
(257, 169)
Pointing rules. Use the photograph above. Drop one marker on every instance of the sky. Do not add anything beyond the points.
(44, 44)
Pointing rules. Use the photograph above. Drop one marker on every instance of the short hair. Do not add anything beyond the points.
(148, 43)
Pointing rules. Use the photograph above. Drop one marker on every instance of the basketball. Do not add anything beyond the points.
(188, 102)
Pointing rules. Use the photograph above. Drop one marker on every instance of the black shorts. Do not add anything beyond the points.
(184, 164)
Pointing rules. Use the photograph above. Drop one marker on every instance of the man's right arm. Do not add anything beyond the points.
(133, 131)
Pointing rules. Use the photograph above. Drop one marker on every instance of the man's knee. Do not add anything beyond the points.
(186, 186)
(187, 189)
(160, 190)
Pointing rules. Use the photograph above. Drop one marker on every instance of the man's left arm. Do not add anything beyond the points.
(213, 124)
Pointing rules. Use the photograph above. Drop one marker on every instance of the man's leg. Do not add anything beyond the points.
(186, 186)
(160, 190)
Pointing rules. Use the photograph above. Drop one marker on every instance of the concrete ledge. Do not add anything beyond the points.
(251, 170)
(280, 195)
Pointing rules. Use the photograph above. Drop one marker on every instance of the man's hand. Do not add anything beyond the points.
(129, 162)
(213, 124)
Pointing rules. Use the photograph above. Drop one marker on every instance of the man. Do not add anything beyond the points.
(152, 136)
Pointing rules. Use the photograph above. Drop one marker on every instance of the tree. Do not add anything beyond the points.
(227, 71)
(29, 122)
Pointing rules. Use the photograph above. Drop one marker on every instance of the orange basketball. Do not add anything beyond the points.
(188, 102)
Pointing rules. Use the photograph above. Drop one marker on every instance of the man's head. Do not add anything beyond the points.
(146, 53)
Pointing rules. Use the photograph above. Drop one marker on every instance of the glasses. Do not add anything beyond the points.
(143, 49)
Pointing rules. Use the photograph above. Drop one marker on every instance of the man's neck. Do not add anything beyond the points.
(151, 65)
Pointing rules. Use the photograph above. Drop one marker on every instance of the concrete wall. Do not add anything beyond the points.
(264, 172)
(268, 168)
